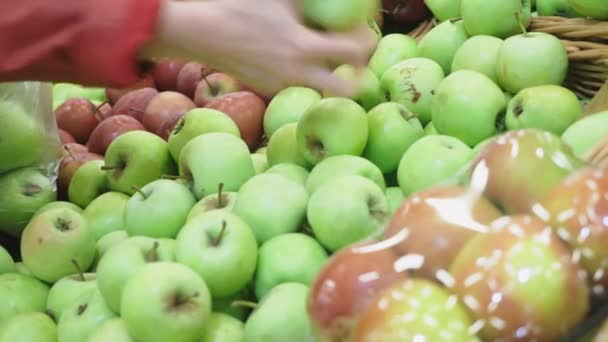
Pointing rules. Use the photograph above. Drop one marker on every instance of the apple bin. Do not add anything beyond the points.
(460, 195)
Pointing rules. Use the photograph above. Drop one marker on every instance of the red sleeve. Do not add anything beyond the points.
(92, 42)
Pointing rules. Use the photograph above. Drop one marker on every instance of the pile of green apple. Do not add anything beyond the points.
(447, 200)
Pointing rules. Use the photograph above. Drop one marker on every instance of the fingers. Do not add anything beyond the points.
(341, 48)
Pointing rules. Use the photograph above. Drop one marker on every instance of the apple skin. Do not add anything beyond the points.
(165, 74)
(339, 294)
(145, 310)
(197, 122)
(444, 9)
(7, 264)
(293, 172)
(283, 147)
(77, 117)
(81, 318)
(551, 108)
(134, 103)
(431, 311)
(114, 94)
(347, 210)
(392, 49)
(586, 133)
(158, 210)
(21, 294)
(123, 260)
(65, 137)
(336, 167)
(395, 198)
(554, 8)
(114, 330)
(67, 168)
(507, 170)
(293, 257)
(495, 19)
(134, 165)
(543, 292)
(214, 158)
(412, 83)
(109, 129)
(260, 163)
(23, 140)
(189, 77)
(441, 43)
(163, 112)
(390, 135)
(369, 93)
(227, 266)
(88, 182)
(211, 202)
(271, 205)
(590, 8)
(106, 213)
(521, 63)
(430, 161)
(105, 243)
(287, 106)
(24, 191)
(337, 15)
(332, 126)
(31, 326)
(466, 106)
(68, 290)
(213, 86)
(224, 328)
(430, 129)
(240, 312)
(478, 53)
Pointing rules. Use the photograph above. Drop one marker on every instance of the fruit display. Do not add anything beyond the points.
(452, 197)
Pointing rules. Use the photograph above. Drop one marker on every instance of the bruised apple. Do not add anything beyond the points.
(110, 129)
(134, 103)
(163, 112)
(77, 117)
(213, 86)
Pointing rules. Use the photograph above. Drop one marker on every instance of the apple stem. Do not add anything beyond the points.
(220, 187)
(219, 236)
(140, 191)
(152, 254)
(78, 270)
(97, 113)
(521, 24)
(67, 149)
(109, 168)
(244, 303)
(212, 89)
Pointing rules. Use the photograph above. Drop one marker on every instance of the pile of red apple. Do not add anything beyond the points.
(448, 200)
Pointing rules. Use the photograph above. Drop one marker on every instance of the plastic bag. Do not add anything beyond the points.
(29, 153)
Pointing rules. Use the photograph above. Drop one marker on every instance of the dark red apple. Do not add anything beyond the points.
(247, 110)
(134, 103)
(214, 86)
(163, 112)
(65, 137)
(165, 74)
(189, 77)
(405, 12)
(347, 284)
(69, 164)
(77, 116)
(113, 94)
(110, 129)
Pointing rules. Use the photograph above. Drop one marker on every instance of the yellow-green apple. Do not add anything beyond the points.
(82, 317)
(105, 243)
(220, 200)
(71, 162)
(292, 171)
(88, 182)
(7, 264)
(224, 328)
(106, 213)
(20, 294)
(586, 133)
(68, 290)
(337, 15)
(23, 138)
(58, 204)
(394, 196)
(478, 53)
(429, 129)
(392, 49)
(114, 330)
(231, 306)
(22, 269)
(336, 167)
(441, 43)
(283, 148)
(444, 9)
(260, 163)
(500, 19)
(597, 9)
(287, 106)
(29, 326)
(559, 8)
(369, 93)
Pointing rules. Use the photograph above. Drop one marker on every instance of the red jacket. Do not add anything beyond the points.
(92, 42)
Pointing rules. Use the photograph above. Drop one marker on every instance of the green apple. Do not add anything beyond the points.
(293, 172)
(287, 106)
(79, 320)
(500, 19)
(551, 108)
(22, 269)
(58, 204)
(332, 126)
(390, 135)
(433, 314)
(20, 294)
(375, 29)
(23, 138)
(88, 183)
(176, 308)
(337, 167)
(467, 105)
(586, 133)
(114, 330)
(596, 9)
(522, 61)
(281, 316)
(432, 160)
(293, 257)
(231, 305)
(223, 328)
(123, 260)
(559, 8)
(271, 205)
(283, 147)
(215, 158)
(54, 242)
(444, 9)
(260, 163)
(97, 94)
(218, 201)
(135, 159)
(64, 91)
(105, 243)
(68, 290)
(337, 15)
(7, 264)
(430, 129)
(24, 191)
(412, 83)
(369, 93)
(394, 196)
(478, 53)
(197, 122)
(392, 49)
(441, 43)
(261, 150)
(28, 327)
(106, 213)
(221, 248)
(347, 210)
(158, 210)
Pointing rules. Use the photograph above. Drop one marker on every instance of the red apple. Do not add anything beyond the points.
(77, 117)
(214, 86)
(134, 103)
(247, 110)
(265, 98)
(69, 164)
(347, 284)
(165, 74)
(113, 94)
(103, 111)
(434, 224)
(163, 112)
(73, 148)
(405, 12)
(189, 77)
(65, 137)
(110, 129)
